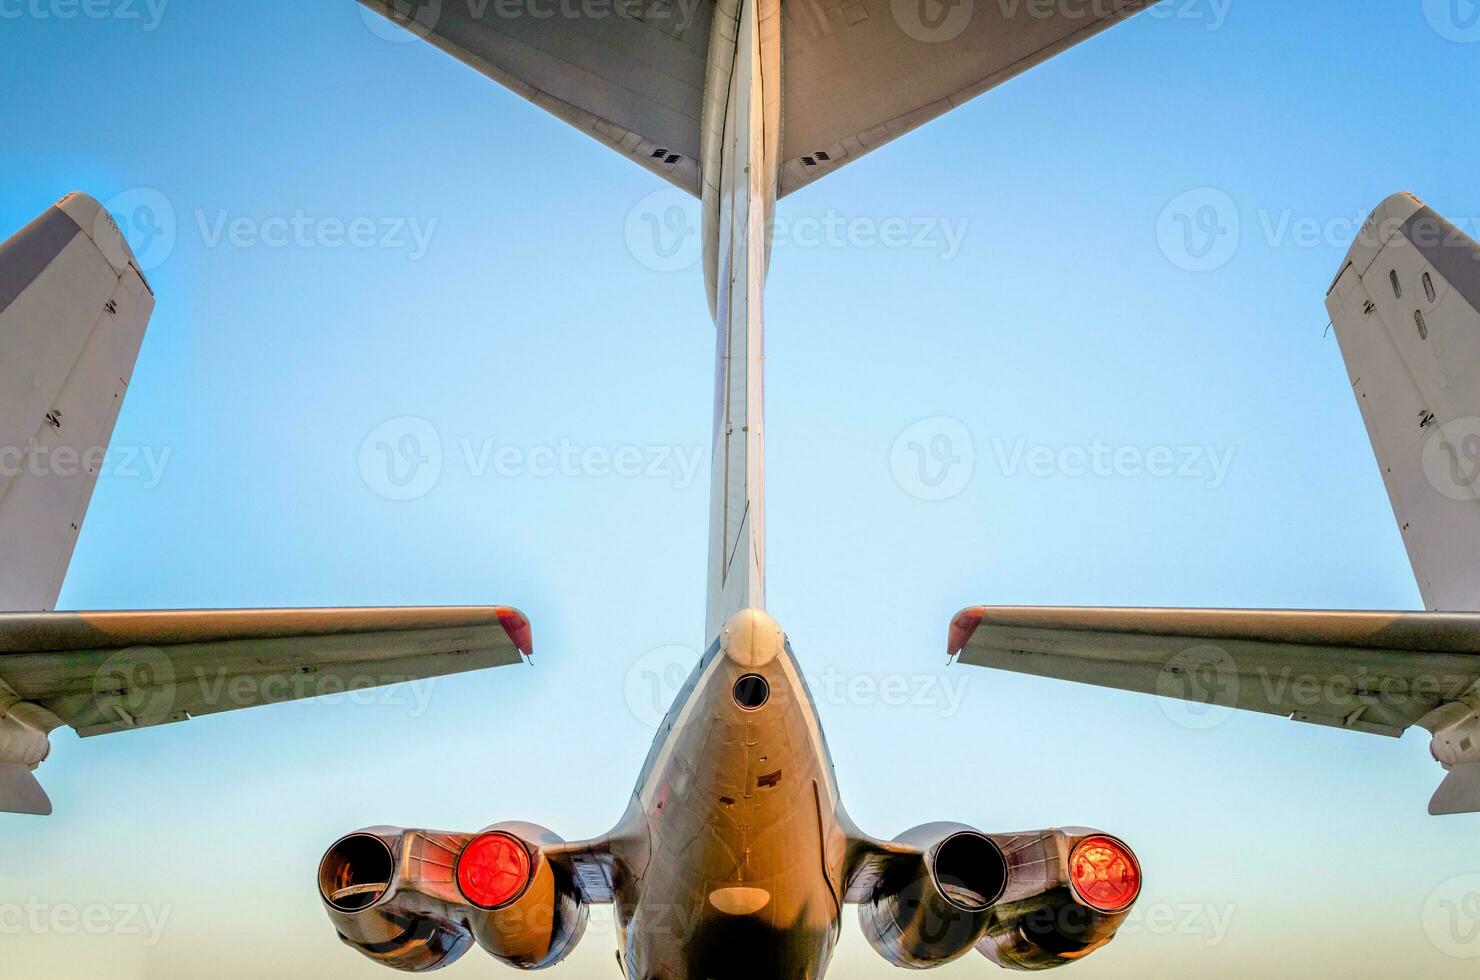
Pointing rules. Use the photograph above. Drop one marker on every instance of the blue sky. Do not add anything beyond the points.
(505, 300)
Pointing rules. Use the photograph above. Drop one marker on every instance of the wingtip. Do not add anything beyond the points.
(516, 624)
(963, 628)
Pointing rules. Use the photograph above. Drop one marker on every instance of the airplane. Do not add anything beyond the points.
(736, 856)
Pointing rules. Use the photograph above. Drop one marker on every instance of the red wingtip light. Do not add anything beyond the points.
(493, 870)
(963, 628)
(514, 624)
(1105, 874)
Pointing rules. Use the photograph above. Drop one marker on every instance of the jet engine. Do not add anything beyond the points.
(1025, 901)
(416, 900)
(934, 906)
(1071, 891)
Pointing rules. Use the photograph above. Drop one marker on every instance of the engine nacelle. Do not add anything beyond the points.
(416, 900)
(927, 912)
(1070, 892)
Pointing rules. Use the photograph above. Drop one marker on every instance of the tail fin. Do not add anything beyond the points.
(73, 309)
(21, 792)
(1406, 307)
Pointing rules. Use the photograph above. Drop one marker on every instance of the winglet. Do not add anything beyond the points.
(963, 628)
(21, 793)
(1459, 793)
(517, 626)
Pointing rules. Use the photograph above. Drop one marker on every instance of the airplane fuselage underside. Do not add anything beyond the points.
(745, 868)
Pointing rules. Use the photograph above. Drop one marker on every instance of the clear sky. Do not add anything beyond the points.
(508, 298)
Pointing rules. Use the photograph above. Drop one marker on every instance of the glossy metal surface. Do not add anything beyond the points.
(393, 895)
(735, 859)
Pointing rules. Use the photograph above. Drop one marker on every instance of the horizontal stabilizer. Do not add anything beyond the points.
(102, 673)
(645, 81)
(1368, 672)
(21, 793)
(1459, 793)
(633, 80)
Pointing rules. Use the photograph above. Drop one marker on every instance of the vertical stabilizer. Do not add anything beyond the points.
(1406, 307)
(73, 309)
(740, 178)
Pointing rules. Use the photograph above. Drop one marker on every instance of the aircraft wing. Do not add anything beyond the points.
(632, 75)
(74, 306)
(102, 673)
(857, 73)
(1377, 673)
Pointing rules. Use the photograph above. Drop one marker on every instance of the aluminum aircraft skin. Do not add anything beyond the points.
(735, 856)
